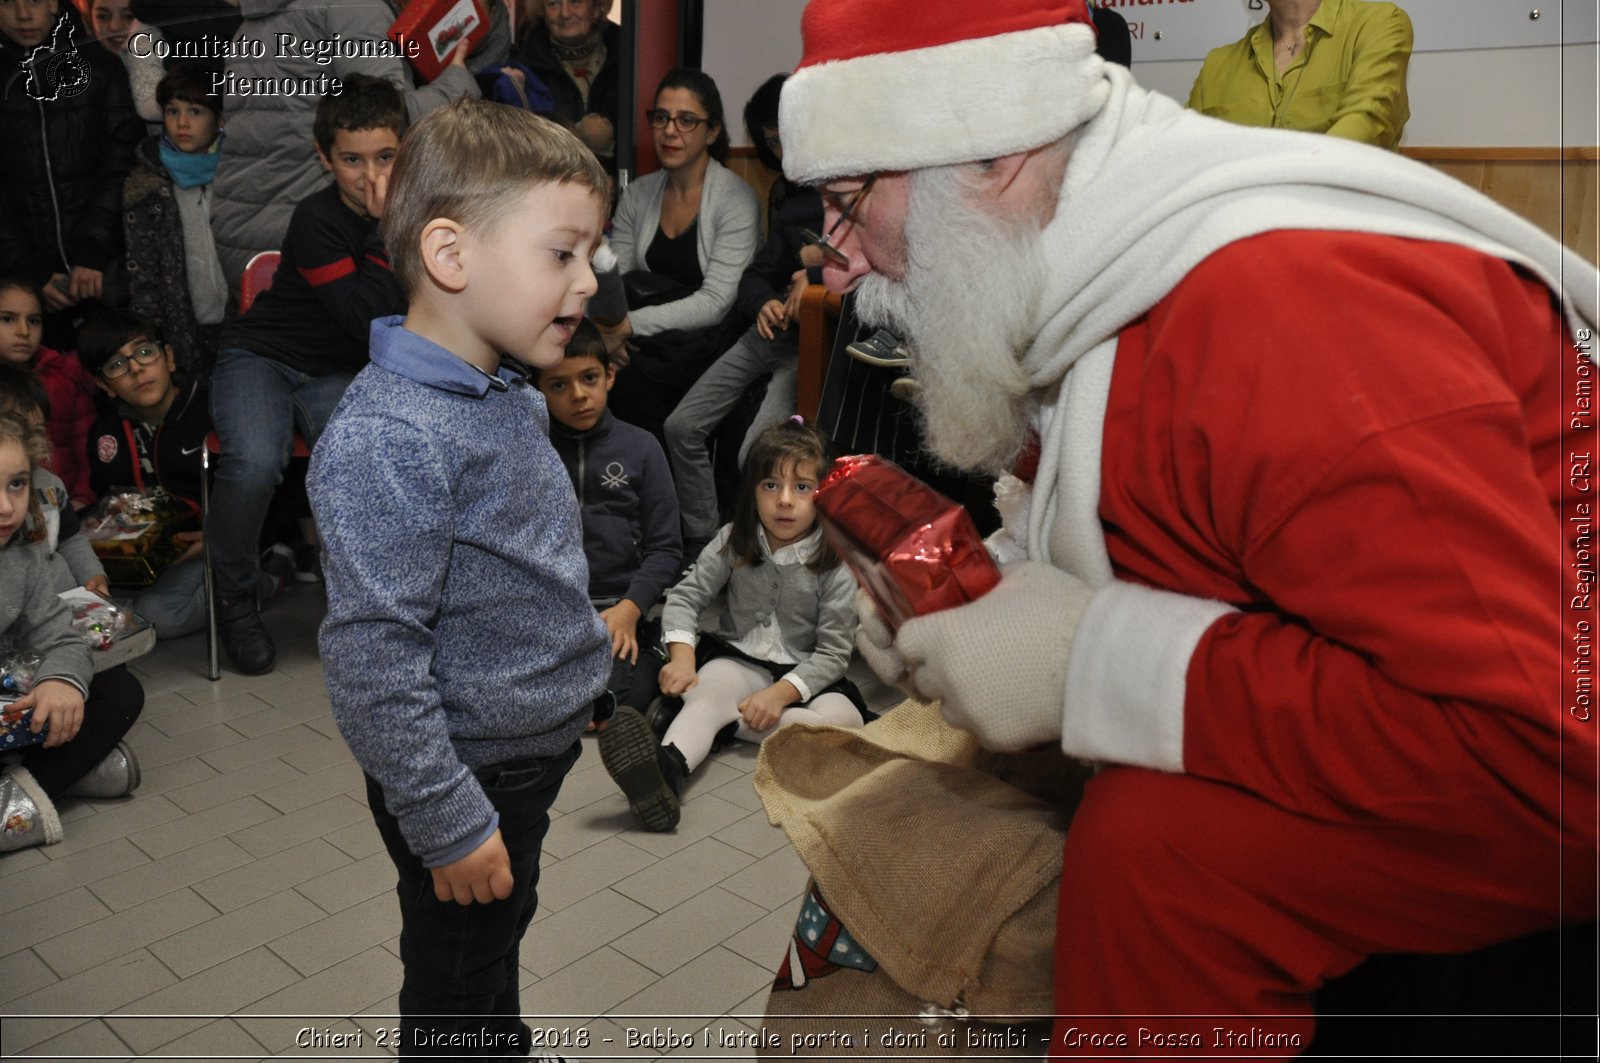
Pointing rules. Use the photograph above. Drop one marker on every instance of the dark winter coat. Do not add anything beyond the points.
(158, 277)
(535, 53)
(66, 157)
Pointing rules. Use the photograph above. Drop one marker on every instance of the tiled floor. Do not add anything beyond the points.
(241, 901)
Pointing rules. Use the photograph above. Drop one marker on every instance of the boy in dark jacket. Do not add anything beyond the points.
(629, 509)
(461, 653)
(152, 438)
(286, 363)
(69, 127)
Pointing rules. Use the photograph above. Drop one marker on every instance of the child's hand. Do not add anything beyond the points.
(57, 703)
(193, 544)
(622, 620)
(797, 289)
(677, 677)
(482, 876)
(57, 292)
(811, 257)
(374, 194)
(760, 711)
(99, 585)
(616, 337)
(771, 318)
(86, 283)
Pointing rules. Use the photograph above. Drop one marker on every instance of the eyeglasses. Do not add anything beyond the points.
(122, 363)
(686, 122)
(824, 243)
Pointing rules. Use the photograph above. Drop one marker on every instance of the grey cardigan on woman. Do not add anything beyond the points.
(729, 229)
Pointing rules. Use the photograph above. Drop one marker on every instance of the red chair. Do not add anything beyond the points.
(258, 274)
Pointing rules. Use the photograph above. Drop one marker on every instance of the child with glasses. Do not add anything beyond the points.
(151, 437)
(72, 404)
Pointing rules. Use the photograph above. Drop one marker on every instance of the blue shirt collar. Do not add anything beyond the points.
(399, 350)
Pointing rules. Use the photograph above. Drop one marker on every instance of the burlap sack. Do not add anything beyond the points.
(943, 871)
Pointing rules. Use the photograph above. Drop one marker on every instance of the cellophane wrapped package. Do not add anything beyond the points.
(912, 549)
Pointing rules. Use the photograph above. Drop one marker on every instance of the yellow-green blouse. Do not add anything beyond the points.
(1349, 80)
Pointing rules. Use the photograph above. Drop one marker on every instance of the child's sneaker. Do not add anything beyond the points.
(883, 348)
(650, 775)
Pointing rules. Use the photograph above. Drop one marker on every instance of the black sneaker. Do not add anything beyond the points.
(634, 760)
(883, 348)
(244, 637)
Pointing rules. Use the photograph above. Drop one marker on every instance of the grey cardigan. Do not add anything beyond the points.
(34, 620)
(816, 610)
(729, 229)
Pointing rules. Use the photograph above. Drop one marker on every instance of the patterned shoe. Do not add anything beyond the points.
(632, 758)
(27, 815)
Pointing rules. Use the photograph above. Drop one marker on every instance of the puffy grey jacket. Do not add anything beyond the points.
(269, 162)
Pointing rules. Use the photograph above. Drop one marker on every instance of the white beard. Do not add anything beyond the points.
(967, 309)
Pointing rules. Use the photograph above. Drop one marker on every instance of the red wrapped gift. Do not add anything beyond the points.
(912, 549)
(427, 30)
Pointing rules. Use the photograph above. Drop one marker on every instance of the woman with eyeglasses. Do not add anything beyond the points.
(768, 303)
(683, 236)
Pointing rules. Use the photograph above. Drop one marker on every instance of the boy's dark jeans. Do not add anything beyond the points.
(460, 996)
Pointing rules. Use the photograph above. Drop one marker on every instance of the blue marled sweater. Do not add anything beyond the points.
(459, 630)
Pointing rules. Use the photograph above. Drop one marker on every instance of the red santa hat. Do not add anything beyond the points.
(903, 84)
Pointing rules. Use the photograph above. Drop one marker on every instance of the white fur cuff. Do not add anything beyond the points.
(1127, 674)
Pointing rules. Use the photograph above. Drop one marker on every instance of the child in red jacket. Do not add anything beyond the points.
(71, 389)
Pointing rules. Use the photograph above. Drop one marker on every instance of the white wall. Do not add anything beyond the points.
(1503, 97)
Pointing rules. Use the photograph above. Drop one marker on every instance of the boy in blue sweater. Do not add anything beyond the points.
(629, 511)
(460, 649)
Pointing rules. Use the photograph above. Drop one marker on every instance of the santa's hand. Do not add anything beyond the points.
(999, 664)
(875, 643)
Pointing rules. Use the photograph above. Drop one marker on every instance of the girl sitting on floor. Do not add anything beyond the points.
(83, 716)
(776, 651)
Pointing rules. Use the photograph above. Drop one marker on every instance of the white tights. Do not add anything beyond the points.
(713, 703)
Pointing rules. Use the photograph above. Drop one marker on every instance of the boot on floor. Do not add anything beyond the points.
(27, 815)
(650, 775)
(115, 776)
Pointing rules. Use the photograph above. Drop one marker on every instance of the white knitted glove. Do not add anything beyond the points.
(999, 664)
(876, 644)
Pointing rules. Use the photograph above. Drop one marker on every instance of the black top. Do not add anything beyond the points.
(677, 257)
(68, 130)
(333, 280)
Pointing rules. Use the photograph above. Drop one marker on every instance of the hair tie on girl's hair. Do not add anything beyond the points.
(797, 419)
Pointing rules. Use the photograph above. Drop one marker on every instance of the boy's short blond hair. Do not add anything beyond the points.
(469, 162)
